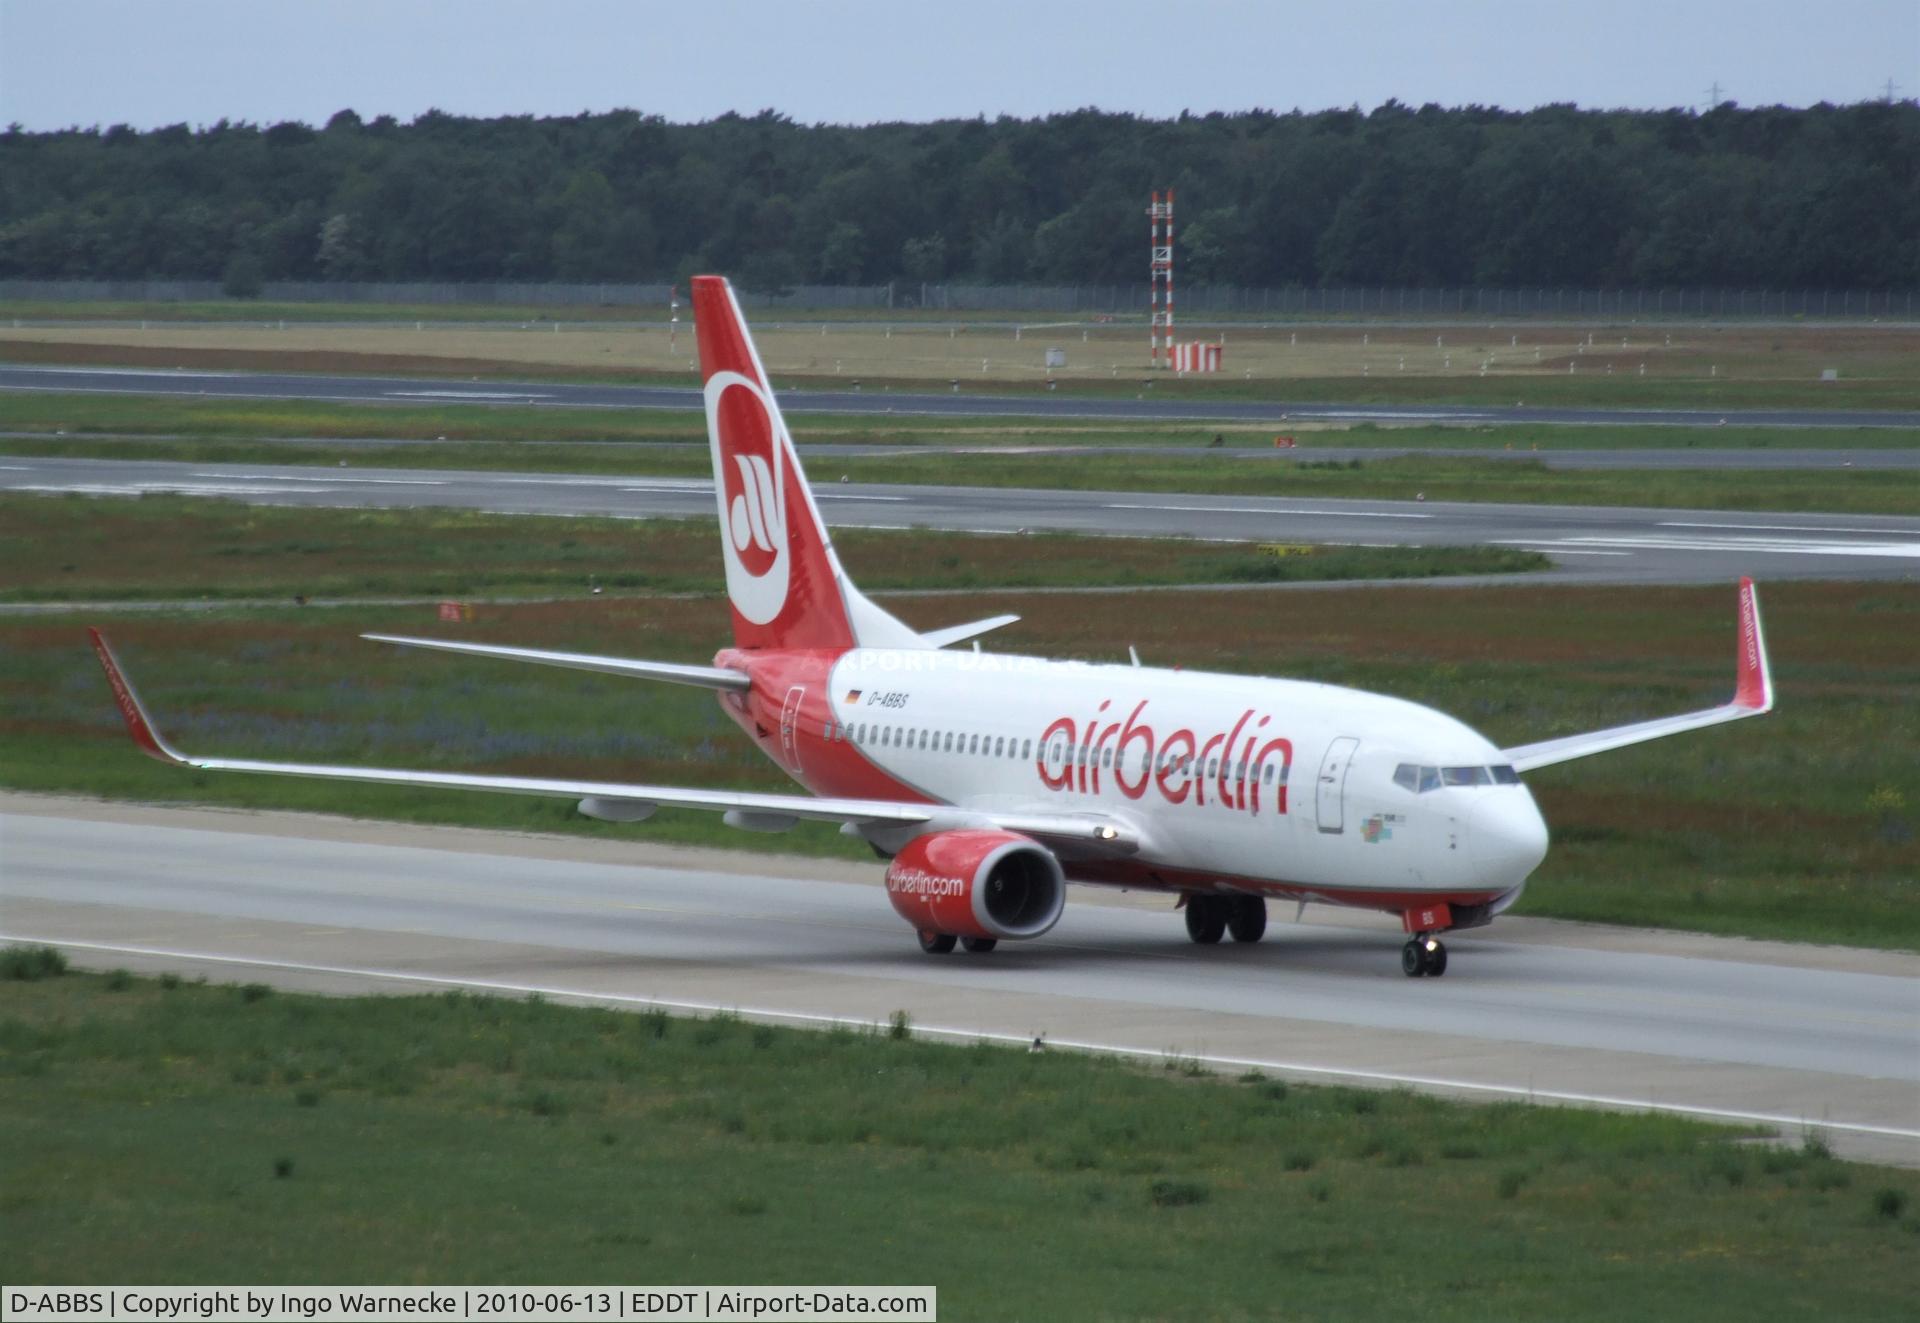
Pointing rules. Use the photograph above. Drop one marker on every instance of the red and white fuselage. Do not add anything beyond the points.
(1231, 783)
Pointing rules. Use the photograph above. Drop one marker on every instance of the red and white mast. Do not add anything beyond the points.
(1160, 275)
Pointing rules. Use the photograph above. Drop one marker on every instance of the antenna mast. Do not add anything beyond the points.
(1160, 275)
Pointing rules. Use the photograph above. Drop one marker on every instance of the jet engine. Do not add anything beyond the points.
(984, 885)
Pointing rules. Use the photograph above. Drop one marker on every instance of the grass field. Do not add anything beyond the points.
(78, 548)
(165, 1132)
(1702, 365)
(1798, 826)
(273, 422)
(1224, 472)
(966, 452)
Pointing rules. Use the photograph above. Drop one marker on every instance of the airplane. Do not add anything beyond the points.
(989, 781)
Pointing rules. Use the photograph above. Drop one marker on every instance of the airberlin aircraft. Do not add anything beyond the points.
(990, 781)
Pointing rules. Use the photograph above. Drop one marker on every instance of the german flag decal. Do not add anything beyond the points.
(853, 696)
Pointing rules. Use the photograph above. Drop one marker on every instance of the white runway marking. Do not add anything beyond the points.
(1261, 509)
(133, 372)
(1763, 546)
(975, 1035)
(1778, 528)
(329, 478)
(177, 488)
(467, 395)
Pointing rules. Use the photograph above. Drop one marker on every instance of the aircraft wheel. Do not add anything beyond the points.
(1412, 961)
(1436, 960)
(1248, 921)
(979, 945)
(1206, 919)
(936, 943)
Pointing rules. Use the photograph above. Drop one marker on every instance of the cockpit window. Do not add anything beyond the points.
(1420, 779)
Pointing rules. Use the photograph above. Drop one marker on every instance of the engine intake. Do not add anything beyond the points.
(977, 883)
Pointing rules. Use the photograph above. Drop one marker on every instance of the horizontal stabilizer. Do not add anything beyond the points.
(706, 677)
(940, 638)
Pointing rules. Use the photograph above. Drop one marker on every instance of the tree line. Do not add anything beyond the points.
(1825, 197)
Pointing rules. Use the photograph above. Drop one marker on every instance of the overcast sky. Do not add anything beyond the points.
(152, 62)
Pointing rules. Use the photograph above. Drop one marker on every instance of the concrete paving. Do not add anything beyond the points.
(1786, 1036)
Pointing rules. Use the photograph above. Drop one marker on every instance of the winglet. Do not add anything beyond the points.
(1756, 678)
(138, 724)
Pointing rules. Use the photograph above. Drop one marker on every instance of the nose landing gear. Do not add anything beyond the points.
(1425, 954)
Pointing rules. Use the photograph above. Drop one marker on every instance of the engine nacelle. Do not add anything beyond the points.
(977, 883)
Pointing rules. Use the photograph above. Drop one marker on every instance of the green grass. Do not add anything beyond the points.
(201, 1134)
(79, 548)
(1415, 477)
(1218, 472)
(1799, 826)
(269, 422)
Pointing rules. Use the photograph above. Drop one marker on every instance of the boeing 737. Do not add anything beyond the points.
(990, 781)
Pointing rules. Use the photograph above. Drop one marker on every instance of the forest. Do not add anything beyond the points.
(1825, 197)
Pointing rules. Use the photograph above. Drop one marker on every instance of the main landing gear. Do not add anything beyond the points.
(1424, 953)
(1209, 918)
(942, 943)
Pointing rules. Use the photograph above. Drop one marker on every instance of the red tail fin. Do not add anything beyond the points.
(783, 580)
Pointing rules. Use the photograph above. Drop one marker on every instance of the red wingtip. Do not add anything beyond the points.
(1756, 682)
(128, 702)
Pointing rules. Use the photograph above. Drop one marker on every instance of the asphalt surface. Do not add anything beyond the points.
(1827, 1039)
(1589, 544)
(962, 402)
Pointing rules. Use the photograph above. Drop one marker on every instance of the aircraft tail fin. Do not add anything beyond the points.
(784, 583)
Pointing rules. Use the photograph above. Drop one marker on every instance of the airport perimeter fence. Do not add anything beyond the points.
(1195, 302)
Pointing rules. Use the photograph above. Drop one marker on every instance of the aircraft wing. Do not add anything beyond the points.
(619, 801)
(707, 677)
(1753, 697)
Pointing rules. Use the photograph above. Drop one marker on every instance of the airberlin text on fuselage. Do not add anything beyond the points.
(919, 882)
(1071, 753)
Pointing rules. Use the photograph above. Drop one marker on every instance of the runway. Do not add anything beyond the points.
(964, 401)
(1815, 1037)
(1589, 544)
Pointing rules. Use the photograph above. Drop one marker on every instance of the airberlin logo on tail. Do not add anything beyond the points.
(750, 485)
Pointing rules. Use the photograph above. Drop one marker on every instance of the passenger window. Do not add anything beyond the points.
(999, 746)
(860, 733)
(1266, 774)
(1026, 749)
(1106, 757)
(1505, 776)
(973, 744)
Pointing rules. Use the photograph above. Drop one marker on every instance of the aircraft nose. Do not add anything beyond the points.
(1508, 838)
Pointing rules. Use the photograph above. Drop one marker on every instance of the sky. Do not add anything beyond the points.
(153, 62)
